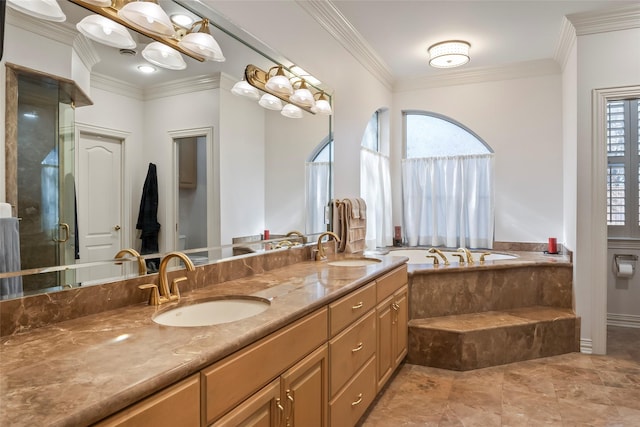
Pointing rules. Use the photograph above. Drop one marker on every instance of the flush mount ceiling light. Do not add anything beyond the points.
(449, 54)
(146, 69)
(163, 56)
(270, 102)
(41, 9)
(291, 111)
(105, 31)
(202, 43)
(242, 88)
(147, 16)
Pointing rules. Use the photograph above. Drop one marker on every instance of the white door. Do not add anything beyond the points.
(100, 225)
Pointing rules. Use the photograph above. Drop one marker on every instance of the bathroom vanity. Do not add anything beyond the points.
(330, 339)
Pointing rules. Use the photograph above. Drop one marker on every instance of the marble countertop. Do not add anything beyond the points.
(79, 371)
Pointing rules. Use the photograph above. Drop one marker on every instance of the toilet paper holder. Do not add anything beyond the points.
(625, 257)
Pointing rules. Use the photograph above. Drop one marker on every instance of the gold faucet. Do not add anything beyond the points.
(468, 254)
(142, 266)
(299, 234)
(320, 255)
(434, 258)
(484, 254)
(166, 294)
(440, 254)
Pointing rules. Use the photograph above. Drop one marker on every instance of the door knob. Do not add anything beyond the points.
(117, 228)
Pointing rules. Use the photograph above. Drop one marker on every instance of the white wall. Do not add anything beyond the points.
(242, 167)
(289, 142)
(604, 60)
(521, 119)
(569, 147)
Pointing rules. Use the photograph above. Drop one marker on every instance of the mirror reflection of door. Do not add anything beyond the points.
(45, 181)
(100, 224)
(191, 162)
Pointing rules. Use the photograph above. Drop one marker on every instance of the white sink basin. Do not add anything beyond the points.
(212, 312)
(354, 262)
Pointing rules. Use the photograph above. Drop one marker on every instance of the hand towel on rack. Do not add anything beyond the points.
(353, 230)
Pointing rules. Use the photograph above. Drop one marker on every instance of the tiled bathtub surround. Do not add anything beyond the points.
(470, 317)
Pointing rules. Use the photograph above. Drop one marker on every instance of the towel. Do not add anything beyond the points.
(148, 218)
(351, 225)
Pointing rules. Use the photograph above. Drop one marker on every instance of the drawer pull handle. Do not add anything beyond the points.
(395, 306)
(357, 402)
(357, 306)
(358, 348)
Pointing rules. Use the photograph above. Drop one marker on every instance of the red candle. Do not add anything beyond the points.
(266, 234)
(553, 245)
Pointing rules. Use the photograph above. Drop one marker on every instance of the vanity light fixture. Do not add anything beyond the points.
(242, 88)
(202, 43)
(41, 9)
(149, 19)
(106, 31)
(291, 111)
(322, 105)
(302, 95)
(303, 98)
(270, 102)
(163, 56)
(147, 16)
(449, 54)
(279, 83)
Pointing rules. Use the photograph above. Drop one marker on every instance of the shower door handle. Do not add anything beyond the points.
(65, 227)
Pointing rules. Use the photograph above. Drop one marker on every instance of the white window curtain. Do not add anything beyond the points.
(448, 201)
(375, 189)
(318, 183)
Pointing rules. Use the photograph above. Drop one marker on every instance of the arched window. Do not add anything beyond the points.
(447, 182)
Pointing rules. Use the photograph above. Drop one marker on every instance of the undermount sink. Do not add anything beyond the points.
(354, 262)
(212, 312)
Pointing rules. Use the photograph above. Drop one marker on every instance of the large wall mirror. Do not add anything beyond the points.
(226, 168)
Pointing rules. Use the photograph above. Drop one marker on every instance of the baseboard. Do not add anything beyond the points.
(625, 320)
(586, 346)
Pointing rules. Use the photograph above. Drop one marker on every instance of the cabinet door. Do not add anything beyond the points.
(177, 405)
(401, 329)
(305, 391)
(385, 355)
(263, 409)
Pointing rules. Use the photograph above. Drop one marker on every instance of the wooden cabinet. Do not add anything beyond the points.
(298, 398)
(391, 324)
(176, 405)
(322, 370)
(230, 381)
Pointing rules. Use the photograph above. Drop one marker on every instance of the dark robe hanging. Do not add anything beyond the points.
(148, 218)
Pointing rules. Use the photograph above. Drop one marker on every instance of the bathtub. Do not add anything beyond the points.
(419, 255)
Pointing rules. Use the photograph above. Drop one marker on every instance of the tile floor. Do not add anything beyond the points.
(568, 390)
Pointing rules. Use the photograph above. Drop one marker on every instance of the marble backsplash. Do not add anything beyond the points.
(35, 311)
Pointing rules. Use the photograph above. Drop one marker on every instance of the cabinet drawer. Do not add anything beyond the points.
(350, 350)
(178, 404)
(351, 403)
(391, 282)
(230, 381)
(349, 308)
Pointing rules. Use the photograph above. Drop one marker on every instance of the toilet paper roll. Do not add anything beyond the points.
(5, 210)
(625, 269)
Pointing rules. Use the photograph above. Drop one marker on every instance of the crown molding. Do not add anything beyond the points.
(101, 81)
(336, 24)
(182, 86)
(59, 32)
(175, 87)
(603, 21)
(85, 50)
(518, 70)
(565, 43)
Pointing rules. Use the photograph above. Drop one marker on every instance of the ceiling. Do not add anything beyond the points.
(393, 34)
(397, 33)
